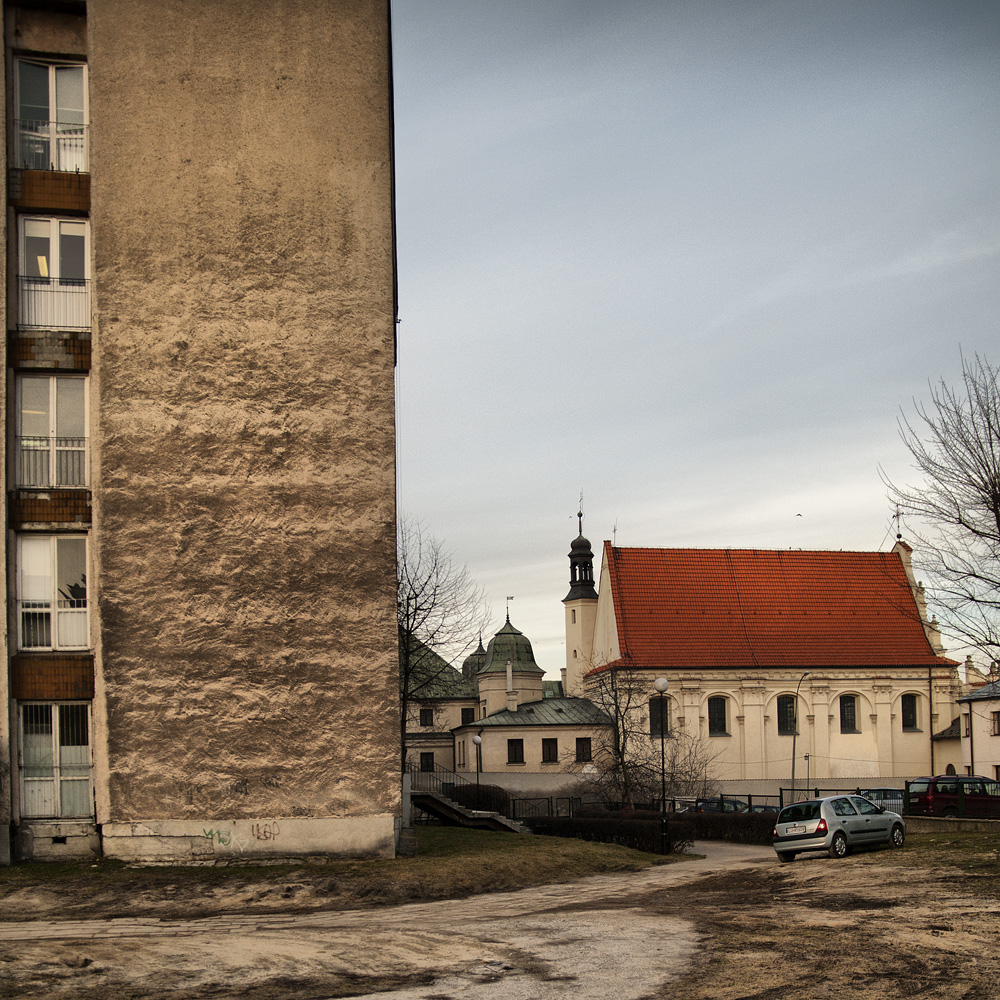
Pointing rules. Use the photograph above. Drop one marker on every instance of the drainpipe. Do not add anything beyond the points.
(972, 741)
(930, 711)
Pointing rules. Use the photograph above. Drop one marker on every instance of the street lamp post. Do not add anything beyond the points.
(661, 684)
(795, 726)
(478, 740)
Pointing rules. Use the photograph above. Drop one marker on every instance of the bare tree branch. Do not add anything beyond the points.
(955, 444)
(627, 758)
(440, 612)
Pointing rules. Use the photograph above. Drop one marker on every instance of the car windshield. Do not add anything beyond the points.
(800, 811)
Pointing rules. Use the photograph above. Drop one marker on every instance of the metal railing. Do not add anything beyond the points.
(440, 780)
(66, 629)
(51, 461)
(53, 303)
(47, 145)
(544, 807)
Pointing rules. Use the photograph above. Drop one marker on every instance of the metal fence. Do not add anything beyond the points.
(47, 145)
(54, 303)
(544, 807)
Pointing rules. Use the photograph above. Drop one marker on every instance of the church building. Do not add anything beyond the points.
(819, 664)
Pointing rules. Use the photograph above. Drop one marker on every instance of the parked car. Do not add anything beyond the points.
(955, 795)
(836, 824)
(887, 798)
(765, 807)
(723, 804)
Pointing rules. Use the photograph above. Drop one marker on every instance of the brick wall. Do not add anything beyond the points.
(49, 191)
(48, 507)
(52, 676)
(62, 350)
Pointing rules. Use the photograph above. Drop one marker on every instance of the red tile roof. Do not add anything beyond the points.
(763, 608)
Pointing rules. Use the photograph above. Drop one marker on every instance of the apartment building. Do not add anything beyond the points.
(201, 654)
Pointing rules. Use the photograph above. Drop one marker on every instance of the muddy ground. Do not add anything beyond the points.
(923, 922)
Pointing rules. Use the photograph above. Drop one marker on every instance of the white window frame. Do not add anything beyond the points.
(52, 301)
(68, 617)
(49, 795)
(66, 142)
(38, 456)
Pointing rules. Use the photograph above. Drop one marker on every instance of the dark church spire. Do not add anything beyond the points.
(581, 567)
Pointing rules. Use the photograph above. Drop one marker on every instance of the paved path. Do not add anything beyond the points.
(538, 941)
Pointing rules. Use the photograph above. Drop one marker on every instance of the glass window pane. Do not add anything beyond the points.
(74, 797)
(34, 413)
(37, 261)
(71, 572)
(74, 728)
(36, 751)
(35, 569)
(716, 715)
(69, 95)
(72, 251)
(848, 716)
(33, 92)
(70, 408)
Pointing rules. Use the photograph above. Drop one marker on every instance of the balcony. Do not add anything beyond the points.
(53, 303)
(66, 629)
(46, 145)
(49, 462)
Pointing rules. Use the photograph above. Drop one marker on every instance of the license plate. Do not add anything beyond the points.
(796, 829)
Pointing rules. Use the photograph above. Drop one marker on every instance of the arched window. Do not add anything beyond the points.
(909, 712)
(717, 723)
(786, 714)
(659, 717)
(849, 714)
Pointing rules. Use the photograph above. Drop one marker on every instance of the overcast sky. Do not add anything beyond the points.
(687, 258)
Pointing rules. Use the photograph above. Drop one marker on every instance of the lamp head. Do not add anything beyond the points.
(661, 684)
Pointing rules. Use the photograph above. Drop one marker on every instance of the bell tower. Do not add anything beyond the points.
(581, 613)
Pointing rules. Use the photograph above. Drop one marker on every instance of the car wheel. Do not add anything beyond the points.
(786, 856)
(950, 812)
(838, 846)
(897, 836)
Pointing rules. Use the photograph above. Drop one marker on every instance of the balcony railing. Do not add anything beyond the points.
(45, 145)
(66, 629)
(54, 303)
(51, 461)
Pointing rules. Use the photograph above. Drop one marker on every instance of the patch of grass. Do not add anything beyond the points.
(450, 863)
(952, 853)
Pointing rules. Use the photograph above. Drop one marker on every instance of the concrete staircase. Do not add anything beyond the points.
(450, 812)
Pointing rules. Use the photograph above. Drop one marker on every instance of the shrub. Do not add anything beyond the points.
(639, 834)
(739, 828)
(491, 798)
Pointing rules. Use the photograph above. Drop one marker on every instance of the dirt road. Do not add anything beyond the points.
(734, 926)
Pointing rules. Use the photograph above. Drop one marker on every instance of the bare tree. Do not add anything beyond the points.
(627, 758)
(955, 444)
(439, 610)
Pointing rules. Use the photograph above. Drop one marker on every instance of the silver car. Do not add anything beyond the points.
(835, 824)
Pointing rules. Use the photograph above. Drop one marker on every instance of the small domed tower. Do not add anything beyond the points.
(473, 663)
(502, 687)
(581, 613)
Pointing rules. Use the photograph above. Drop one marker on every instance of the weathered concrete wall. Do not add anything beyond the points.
(6, 709)
(243, 417)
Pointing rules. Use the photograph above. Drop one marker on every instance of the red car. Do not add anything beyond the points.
(955, 795)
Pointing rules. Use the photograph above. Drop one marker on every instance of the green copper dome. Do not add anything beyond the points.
(509, 644)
